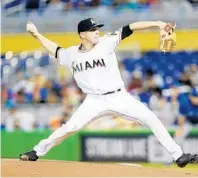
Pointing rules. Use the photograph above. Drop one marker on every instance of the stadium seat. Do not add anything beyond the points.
(169, 64)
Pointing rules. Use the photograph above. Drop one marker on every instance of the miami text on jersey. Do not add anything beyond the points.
(87, 65)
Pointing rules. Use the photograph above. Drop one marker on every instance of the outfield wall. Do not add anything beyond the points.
(149, 40)
(117, 145)
(14, 143)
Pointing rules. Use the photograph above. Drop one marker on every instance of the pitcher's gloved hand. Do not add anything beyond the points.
(168, 38)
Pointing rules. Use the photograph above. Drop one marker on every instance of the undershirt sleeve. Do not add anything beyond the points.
(126, 31)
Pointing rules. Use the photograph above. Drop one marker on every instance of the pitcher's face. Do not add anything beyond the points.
(91, 35)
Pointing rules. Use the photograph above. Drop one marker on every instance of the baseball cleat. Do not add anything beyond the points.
(28, 156)
(185, 159)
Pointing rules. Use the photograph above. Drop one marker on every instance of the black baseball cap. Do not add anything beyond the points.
(88, 24)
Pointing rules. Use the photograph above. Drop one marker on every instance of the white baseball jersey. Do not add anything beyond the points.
(95, 71)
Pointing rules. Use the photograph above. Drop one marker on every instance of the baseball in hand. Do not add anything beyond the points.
(31, 28)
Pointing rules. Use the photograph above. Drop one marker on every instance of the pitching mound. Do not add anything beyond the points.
(43, 168)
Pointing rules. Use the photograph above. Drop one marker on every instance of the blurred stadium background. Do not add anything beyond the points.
(37, 95)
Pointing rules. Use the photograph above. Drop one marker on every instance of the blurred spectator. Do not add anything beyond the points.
(56, 87)
(18, 119)
(39, 79)
(47, 93)
(10, 121)
(159, 105)
(106, 2)
(4, 93)
(95, 3)
(36, 95)
(32, 4)
(124, 73)
(24, 86)
(82, 4)
(40, 93)
(70, 100)
(194, 2)
(52, 97)
(73, 96)
(193, 74)
(152, 80)
(68, 6)
(20, 97)
(64, 91)
(129, 4)
(188, 114)
(103, 123)
(53, 5)
(56, 121)
(125, 4)
(108, 122)
(185, 79)
(136, 81)
(27, 121)
(38, 4)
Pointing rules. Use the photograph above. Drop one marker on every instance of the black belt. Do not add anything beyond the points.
(110, 92)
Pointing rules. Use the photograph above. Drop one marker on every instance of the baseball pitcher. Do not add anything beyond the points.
(94, 66)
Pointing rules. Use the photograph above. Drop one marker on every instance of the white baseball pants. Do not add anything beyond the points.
(122, 103)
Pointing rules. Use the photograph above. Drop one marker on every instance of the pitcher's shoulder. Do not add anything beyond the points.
(72, 49)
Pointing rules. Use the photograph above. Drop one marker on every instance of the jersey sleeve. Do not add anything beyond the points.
(62, 55)
(114, 38)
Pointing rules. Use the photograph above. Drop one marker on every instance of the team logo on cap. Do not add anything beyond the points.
(93, 22)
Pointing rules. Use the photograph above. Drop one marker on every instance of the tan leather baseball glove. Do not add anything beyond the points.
(168, 38)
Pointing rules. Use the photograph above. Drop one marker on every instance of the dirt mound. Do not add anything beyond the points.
(43, 168)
